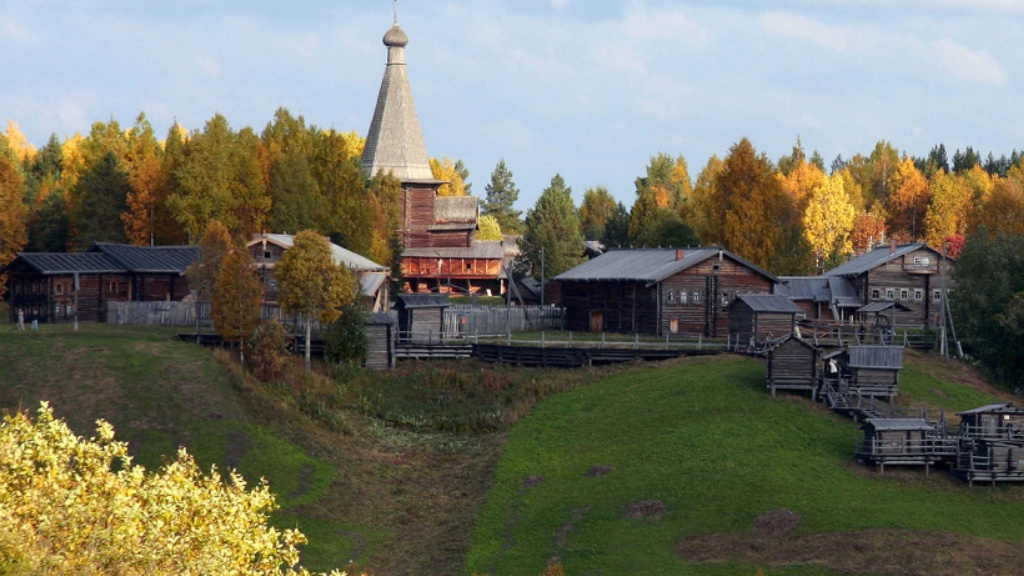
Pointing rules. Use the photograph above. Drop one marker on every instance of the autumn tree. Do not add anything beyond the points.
(12, 210)
(869, 231)
(294, 194)
(753, 216)
(341, 180)
(828, 222)
(667, 180)
(488, 228)
(70, 505)
(595, 210)
(950, 204)
(144, 157)
(384, 192)
(202, 274)
(502, 194)
(235, 306)
(445, 169)
(310, 285)
(907, 202)
(552, 233)
(1002, 214)
(703, 215)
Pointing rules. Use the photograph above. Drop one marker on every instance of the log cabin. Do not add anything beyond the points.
(761, 317)
(421, 317)
(54, 287)
(658, 291)
(266, 250)
(792, 364)
(864, 371)
(904, 442)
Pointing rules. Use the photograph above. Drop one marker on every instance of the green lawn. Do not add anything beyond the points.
(705, 439)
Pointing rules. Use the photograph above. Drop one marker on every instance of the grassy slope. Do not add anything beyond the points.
(704, 438)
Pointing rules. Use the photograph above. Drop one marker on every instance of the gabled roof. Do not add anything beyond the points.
(394, 142)
(423, 301)
(813, 288)
(648, 265)
(882, 306)
(479, 249)
(51, 263)
(875, 258)
(150, 259)
(890, 357)
(996, 408)
(778, 303)
(338, 254)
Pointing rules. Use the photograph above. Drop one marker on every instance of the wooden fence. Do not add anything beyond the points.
(183, 314)
(483, 321)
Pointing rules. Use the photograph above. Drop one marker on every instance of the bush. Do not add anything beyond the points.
(74, 506)
(269, 352)
(345, 341)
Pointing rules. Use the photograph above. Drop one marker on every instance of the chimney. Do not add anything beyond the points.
(679, 254)
(892, 246)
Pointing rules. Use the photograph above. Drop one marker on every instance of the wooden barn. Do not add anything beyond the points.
(991, 444)
(658, 291)
(865, 371)
(380, 335)
(904, 442)
(761, 317)
(793, 365)
(53, 287)
(421, 317)
(913, 275)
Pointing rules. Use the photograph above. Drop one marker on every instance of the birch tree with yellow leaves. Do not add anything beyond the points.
(828, 222)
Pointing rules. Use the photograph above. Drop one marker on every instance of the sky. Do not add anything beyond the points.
(588, 89)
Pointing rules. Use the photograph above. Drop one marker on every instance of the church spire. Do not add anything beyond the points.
(394, 142)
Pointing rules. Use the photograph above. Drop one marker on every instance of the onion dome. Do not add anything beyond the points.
(395, 38)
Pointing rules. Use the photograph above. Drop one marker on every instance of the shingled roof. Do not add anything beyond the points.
(873, 259)
(394, 142)
(105, 258)
(648, 265)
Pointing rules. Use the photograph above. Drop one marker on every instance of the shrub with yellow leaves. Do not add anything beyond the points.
(70, 505)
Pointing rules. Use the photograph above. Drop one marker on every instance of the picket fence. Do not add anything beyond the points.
(459, 321)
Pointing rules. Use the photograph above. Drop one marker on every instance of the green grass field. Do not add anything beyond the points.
(705, 440)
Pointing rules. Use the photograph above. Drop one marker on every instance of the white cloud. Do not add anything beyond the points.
(971, 65)
(14, 31)
(559, 3)
(837, 38)
(668, 23)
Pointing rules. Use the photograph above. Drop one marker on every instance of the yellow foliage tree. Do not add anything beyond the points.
(907, 202)
(13, 232)
(828, 221)
(22, 148)
(949, 207)
(488, 228)
(444, 169)
(235, 308)
(74, 506)
(801, 182)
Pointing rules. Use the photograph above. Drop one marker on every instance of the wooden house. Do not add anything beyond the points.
(999, 421)
(266, 250)
(421, 317)
(865, 371)
(793, 365)
(760, 317)
(904, 441)
(658, 291)
(913, 275)
(821, 298)
(991, 444)
(380, 335)
(54, 287)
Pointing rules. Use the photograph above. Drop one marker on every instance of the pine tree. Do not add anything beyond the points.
(501, 195)
(553, 229)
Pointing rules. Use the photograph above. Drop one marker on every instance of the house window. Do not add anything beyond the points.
(58, 288)
(112, 287)
(936, 295)
(673, 326)
(696, 297)
(876, 294)
(918, 295)
(267, 256)
(904, 294)
(921, 262)
(56, 311)
(890, 294)
(682, 297)
(671, 294)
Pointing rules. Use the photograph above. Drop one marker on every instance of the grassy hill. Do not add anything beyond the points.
(631, 470)
(666, 470)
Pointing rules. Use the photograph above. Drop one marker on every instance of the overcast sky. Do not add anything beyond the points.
(589, 89)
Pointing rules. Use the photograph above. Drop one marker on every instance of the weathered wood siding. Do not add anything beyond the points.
(417, 211)
(622, 306)
(881, 382)
(910, 280)
(380, 353)
(792, 364)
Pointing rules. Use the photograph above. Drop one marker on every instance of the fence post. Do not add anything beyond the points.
(541, 338)
(636, 341)
(570, 339)
(700, 340)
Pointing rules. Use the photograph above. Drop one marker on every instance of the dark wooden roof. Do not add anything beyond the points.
(876, 258)
(423, 301)
(51, 263)
(890, 357)
(997, 408)
(882, 306)
(151, 259)
(649, 265)
(768, 303)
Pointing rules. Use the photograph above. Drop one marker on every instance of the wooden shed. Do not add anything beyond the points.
(761, 317)
(904, 441)
(867, 371)
(792, 365)
(421, 317)
(380, 336)
(999, 421)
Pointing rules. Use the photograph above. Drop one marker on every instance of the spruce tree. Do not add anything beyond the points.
(553, 228)
(501, 195)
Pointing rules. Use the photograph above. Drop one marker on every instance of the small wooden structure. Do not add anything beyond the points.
(761, 317)
(380, 335)
(421, 317)
(865, 371)
(904, 441)
(793, 365)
